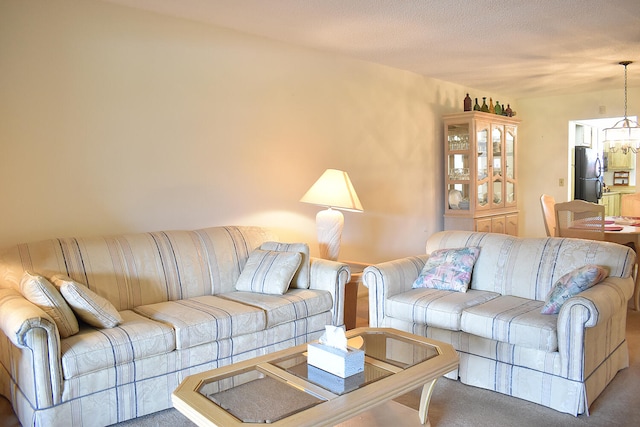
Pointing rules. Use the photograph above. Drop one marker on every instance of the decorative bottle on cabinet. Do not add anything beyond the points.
(509, 111)
(476, 106)
(480, 172)
(485, 107)
(467, 103)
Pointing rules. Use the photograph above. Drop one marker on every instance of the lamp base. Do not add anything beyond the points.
(329, 224)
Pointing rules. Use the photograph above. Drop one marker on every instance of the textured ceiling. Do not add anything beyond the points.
(525, 48)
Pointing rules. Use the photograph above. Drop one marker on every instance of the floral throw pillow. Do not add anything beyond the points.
(570, 284)
(448, 269)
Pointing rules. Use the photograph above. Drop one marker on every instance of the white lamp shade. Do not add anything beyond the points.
(333, 189)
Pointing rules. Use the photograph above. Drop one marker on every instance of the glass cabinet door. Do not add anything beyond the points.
(480, 172)
(482, 141)
(458, 166)
(497, 179)
(510, 164)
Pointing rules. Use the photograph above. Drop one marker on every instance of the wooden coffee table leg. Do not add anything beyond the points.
(425, 398)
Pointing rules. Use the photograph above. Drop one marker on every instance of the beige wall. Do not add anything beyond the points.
(118, 120)
(545, 151)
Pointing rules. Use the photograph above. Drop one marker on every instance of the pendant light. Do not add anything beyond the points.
(625, 134)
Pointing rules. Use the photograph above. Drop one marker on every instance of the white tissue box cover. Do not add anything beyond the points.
(336, 361)
(334, 383)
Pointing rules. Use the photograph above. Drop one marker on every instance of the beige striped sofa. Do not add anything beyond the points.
(562, 361)
(181, 314)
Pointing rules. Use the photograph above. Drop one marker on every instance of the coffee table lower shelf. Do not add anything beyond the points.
(280, 389)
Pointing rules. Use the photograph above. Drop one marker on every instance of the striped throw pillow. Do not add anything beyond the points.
(268, 272)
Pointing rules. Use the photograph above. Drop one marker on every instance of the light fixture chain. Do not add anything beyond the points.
(625, 91)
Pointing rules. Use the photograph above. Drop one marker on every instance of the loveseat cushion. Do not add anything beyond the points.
(200, 320)
(294, 305)
(434, 307)
(135, 338)
(513, 320)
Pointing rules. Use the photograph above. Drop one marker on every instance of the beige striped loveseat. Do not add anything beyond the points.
(563, 361)
(180, 313)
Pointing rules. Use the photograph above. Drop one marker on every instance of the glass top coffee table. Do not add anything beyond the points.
(283, 390)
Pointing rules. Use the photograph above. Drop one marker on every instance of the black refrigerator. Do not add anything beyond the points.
(588, 177)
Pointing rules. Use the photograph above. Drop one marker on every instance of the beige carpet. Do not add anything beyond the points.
(454, 404)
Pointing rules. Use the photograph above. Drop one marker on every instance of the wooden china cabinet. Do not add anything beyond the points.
(480, 172)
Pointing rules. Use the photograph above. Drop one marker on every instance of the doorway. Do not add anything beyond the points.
(590, 133)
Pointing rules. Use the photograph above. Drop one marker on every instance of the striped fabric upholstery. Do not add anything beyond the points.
(513, 320)
(146, 268)
(437, 308)
(294, 305)
(203, 319)
(175, 292)
(94, 349)
(528, 268)
(563, 361)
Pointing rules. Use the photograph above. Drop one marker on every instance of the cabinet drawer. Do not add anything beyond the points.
(498, 224)
(512, 225)
(483, 225)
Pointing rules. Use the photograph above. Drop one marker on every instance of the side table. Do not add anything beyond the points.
(351, 293)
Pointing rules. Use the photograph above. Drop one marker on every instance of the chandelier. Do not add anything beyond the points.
(625, 134)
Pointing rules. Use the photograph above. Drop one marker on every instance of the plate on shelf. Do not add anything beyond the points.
(455, 196)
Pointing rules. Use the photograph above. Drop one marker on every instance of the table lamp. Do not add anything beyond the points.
(334, 190)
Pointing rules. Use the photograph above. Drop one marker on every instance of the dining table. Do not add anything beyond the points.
(625, 230)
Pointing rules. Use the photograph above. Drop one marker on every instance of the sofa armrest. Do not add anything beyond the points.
(591, 325)
(331, 276)
(387, 279)
(39, 370)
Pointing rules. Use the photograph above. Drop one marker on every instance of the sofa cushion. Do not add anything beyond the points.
(301, 278)
(204, 319)
(513, 320)
(448, 269)
(42, 293)
(295, 304)
(433, 307)
(570, 284)
(135, 338)
(268, 272)
(89, 306)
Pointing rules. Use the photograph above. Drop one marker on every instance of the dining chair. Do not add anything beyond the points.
(580, 219)
(630, 205)
(548, 214)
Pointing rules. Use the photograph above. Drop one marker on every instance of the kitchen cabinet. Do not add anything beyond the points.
(480, 172)
(611, 202)
(619, 160)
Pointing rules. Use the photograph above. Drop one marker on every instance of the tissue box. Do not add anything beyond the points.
(335, 361)
(334, 383)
